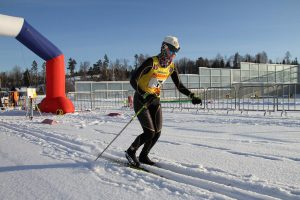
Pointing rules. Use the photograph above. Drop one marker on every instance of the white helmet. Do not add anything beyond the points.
(172, 41)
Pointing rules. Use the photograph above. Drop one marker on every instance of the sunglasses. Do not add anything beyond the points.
(172, 49)
(172, 52)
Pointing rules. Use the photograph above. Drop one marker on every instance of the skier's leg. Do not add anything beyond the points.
(146, 119)
(148, 128)
(144, 138)
(157, 118)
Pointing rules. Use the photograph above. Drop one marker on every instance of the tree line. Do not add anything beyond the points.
(119, 70)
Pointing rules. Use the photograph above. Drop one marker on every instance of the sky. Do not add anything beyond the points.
(87, 30)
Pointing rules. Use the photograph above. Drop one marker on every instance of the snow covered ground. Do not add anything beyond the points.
(203, 155)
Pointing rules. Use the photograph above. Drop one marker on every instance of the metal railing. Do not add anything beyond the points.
(220, 98)
(267, 98)
(100, 99)
(288, 97)
(256, 98)
(172, 98)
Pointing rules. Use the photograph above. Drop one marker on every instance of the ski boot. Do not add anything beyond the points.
(143, 158)
(131, 157)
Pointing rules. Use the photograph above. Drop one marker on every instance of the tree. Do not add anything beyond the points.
(104, 70)
(261, 57)
(236, 60)
(222, 63)
(116, 70)
(96, 70)
(125, 68)
(44, 73)
(71, 67)
(182, 65)
(228, 64)
(136, 64)
(295, 62)
(34, 71)
(4, 79)
(218, 62)
(90, 72)
(283, 62)
(191, 67)
(248, 58)
(83, 70)
(287, 57)
(264, 57)
(26, 78)
(16, 77)
(201, 62)
(141, 59)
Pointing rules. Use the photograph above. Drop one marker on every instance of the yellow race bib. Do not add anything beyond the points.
(152, 81)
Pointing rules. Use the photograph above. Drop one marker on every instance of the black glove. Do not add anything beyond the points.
(149, 98)
(195, 100)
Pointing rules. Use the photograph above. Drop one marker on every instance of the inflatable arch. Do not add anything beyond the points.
(55, 100)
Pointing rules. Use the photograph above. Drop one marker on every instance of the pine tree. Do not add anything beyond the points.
(26, 78)
(71, 66)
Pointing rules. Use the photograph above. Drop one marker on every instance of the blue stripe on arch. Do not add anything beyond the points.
(37, 43)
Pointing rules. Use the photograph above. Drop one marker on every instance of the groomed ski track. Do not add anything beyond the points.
(175, 176)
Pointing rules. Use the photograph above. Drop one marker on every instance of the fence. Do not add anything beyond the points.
(257, 98)
(267, 98)
(220, 98)
(179, 100)
(288, 97)
(100, 99)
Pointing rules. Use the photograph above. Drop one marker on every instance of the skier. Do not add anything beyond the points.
(147, 81)
(14, 96)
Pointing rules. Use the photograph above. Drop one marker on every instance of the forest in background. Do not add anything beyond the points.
(119, 70)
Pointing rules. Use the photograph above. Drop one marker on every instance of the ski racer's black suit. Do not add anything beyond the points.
(151, 117)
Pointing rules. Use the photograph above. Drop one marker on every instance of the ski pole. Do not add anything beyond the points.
(132, 118)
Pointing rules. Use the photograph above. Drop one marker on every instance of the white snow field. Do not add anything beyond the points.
(200, 155)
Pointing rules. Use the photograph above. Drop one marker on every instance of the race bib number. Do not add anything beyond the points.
(155, 83)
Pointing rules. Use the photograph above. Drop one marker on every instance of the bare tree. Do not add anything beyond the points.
(287, 57)
(248, 58)
(83, 69)
(16, 77)
(261, 57)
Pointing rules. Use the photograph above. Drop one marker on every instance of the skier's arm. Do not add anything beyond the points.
(178, 83)
(183, 89)
(143, 69)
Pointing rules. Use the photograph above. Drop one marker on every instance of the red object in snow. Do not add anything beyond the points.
(49, 121)
(114, 114)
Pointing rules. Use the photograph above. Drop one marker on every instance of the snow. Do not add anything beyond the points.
(201, 155)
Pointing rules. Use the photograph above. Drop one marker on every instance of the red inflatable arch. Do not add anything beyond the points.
(56, 100)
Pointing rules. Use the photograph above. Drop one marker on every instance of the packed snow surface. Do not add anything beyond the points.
(200, 155)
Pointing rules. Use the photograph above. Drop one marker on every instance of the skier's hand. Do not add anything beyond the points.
(195, 100)
(149, 98)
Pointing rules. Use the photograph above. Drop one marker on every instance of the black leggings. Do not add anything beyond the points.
(151, 122)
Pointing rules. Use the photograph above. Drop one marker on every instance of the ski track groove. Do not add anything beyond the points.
(226, 181)
(267, 157)
(224, 186)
